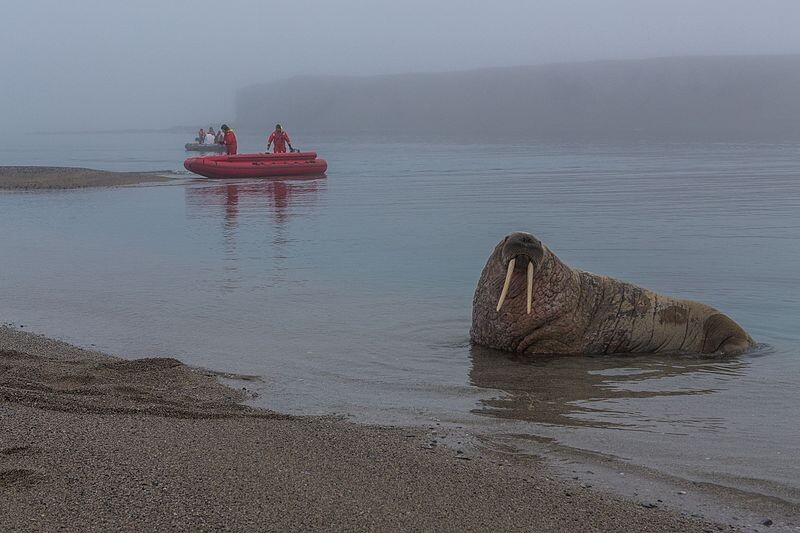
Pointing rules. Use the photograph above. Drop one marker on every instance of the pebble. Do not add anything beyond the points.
(767, 522)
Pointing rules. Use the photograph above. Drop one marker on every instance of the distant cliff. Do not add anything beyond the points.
(688, 98)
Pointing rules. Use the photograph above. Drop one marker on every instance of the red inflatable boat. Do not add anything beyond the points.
(257, 165)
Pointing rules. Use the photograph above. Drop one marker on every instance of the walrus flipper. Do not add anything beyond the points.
(724, 336)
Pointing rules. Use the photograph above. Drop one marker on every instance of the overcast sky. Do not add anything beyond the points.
(97, 64)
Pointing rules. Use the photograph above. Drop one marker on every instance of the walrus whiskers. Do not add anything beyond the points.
(530, 285)
(504, 292)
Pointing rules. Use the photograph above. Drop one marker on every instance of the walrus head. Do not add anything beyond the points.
(522, 286)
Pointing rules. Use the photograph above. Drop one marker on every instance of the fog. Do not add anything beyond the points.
(676, 99)
(109, 64)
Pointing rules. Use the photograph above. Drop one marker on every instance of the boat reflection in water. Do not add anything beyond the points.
(253, 213)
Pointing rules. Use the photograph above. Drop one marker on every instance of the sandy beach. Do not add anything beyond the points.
(34, 177)
(92, 442)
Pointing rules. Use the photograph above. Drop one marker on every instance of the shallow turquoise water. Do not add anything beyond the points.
(352, 294)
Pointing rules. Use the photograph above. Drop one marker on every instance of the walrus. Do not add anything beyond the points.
(529, 301)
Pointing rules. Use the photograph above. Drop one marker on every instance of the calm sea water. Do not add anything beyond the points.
(352, 294)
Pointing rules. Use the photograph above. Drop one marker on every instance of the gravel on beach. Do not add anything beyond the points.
(90, 442)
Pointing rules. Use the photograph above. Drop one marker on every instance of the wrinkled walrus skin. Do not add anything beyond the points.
(576, 312)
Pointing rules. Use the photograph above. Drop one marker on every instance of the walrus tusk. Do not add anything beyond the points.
(530, 285)
(506, 284)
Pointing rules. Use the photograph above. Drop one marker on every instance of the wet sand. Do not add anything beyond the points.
(30, 177)
(93, 442)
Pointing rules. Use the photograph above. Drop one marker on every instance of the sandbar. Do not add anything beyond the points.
(34, 177)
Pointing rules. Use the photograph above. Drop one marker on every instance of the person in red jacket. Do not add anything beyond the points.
(229, 140)
(281, 139)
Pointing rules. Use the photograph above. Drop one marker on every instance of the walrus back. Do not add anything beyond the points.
(627, 318)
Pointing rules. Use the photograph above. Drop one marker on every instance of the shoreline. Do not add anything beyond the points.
(92, 441)
(47, 178)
